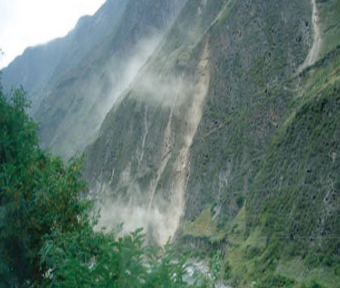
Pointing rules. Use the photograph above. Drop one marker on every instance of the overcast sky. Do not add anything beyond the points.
(25, 23)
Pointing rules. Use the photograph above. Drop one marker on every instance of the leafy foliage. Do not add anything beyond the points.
(87, 259)
(38, 193)
(47, 238)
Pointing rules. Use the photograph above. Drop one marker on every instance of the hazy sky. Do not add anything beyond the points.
(26, 23)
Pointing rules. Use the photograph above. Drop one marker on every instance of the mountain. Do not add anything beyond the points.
(215, 123)
(121, 39)
(196, 123)
(214, 142)
(40, 66)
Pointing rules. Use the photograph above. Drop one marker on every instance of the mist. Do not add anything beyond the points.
(159, 212)
(82, 123)
(124, 79)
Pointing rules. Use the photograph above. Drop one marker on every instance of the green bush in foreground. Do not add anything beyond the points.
(46, 236)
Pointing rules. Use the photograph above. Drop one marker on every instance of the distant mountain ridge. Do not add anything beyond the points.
(40, 66)
(92, 59)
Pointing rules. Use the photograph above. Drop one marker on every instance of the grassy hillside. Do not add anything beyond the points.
(287, 232)
(278, 176)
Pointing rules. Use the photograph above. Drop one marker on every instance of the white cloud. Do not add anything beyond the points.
(26, 23)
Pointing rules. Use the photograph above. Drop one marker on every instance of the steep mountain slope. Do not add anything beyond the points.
(218, 127)
(71, 115)
(40, 66)
(229, 138)
(74, 81)
(141, 156)
(294, 198)
(233, 130)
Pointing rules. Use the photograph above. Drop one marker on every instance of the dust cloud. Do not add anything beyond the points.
(185, 99)
(124, 78)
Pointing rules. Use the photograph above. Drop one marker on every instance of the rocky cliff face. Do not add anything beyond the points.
(212, 119)
(71, 115)
(214, 123)
(199, 144)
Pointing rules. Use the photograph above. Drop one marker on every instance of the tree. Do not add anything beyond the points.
(47, 238)
(38, 193)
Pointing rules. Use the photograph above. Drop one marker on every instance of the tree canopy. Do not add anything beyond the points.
(47, 238)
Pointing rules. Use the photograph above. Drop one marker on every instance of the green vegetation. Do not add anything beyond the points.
(287, 233)
(47, 237)
(262, 198)
(202, 226)
(274, 141)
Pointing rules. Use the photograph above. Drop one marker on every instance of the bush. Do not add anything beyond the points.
(46, 236)
(239, 200)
